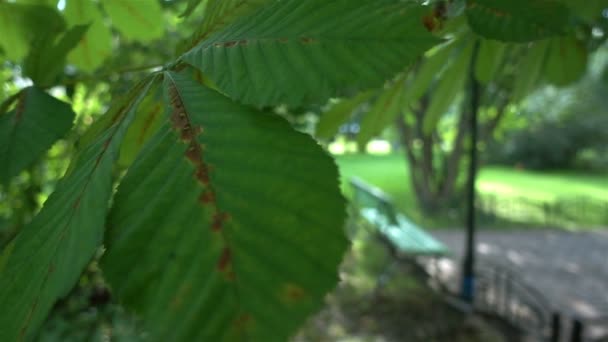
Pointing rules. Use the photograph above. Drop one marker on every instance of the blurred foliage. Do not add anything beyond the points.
(560, 128)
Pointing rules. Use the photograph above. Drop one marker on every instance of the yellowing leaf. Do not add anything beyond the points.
(96, 45)
(530, 69)
(449, 87)
(388, 105)
(138, 20)
(566, 61)
(489, 58)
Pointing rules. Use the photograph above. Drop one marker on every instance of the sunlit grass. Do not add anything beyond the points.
(542, 185)
(390, 173)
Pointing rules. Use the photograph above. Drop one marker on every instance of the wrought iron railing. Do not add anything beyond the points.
(501, 291)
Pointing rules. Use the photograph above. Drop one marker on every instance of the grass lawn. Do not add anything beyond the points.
(542, 185)
(389, 172)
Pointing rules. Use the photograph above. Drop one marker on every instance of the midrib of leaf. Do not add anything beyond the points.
(63, 231)
(256, 59)
(202, 176)
(253, 30)
(303, 39)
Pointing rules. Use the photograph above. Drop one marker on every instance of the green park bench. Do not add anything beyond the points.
(402, 235)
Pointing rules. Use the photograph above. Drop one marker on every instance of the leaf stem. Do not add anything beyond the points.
(105, 75)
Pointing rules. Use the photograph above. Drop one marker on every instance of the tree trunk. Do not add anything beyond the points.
(435, 186)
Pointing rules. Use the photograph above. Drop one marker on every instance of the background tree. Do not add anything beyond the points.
(549, 133)
(428, 103)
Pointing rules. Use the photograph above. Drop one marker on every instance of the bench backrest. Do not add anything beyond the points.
(377, 208)
(367, 196)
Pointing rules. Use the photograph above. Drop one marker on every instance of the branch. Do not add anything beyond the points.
(453, 160)
(490, 126)
(405, 136)
(105, 75)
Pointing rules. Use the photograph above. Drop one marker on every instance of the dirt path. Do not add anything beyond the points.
(570, 269)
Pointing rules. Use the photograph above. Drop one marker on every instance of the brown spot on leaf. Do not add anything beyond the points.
(306, 40)
(192, 153)
(225, 258)
(201, 174)
(242, 323)
(178, 299)
(429, 22)
(226, 44)
(218, 221)
(206, 197)
(292, 293)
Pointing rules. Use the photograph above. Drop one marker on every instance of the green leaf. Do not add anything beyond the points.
(530, 70)
(44, 63)
(386, 108)
(46, 258)
(297, 52)
(566, 61)
(331, 120)
(96, 45)
(228, 226)
(517, 20)
(141, 20)
(20, 23)
(489, 59)
(452, 82)
(432, 67)
(29, 130)
(12, 39)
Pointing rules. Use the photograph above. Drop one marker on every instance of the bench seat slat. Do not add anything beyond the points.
(402, 233)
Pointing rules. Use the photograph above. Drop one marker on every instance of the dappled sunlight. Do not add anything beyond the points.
(484, 248)
(544, 185)
(568, 269)
(516, 257)
(584, 309)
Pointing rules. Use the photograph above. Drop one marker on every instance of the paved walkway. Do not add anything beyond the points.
(570, 269)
